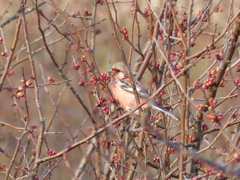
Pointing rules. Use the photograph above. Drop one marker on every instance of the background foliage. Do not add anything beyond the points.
(58, 118)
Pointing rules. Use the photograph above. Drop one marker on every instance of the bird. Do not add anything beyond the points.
(123, 93)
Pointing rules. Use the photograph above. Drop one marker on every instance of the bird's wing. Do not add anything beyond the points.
(126, 85)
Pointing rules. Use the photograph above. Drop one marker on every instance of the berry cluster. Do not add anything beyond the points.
(51, 152)
(215, 117)
(124, 33)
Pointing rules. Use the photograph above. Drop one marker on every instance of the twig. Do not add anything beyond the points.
(36, 91)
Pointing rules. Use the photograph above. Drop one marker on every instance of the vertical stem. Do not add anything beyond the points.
(13, 48)
(134, 165)
(185, 103)
(36, 92)
(132, 30)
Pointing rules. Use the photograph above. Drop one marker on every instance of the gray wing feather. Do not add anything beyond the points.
(127, 87)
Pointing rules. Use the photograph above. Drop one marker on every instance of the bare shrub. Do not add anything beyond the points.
(59, 119)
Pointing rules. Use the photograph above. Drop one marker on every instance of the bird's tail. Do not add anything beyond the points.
(155, 106)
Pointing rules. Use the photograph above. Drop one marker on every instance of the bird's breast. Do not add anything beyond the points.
(124, 98)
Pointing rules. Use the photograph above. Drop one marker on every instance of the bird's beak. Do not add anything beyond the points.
(111, 72)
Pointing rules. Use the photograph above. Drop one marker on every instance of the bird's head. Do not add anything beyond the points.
(118, 71)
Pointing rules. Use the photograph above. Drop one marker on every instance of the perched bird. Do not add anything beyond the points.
(122, 90)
